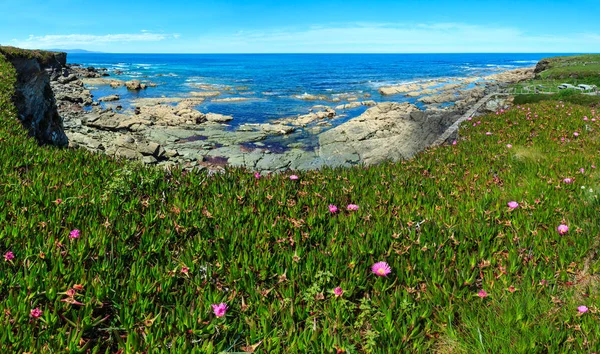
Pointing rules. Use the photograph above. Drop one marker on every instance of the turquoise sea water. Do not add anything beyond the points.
(273, 82)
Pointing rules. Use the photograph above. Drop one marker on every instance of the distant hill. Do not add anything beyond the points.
(72, 51)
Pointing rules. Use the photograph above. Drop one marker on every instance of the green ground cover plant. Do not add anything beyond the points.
(43, 57)
(490, 242)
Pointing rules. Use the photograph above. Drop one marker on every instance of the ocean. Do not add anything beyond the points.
(276, 85)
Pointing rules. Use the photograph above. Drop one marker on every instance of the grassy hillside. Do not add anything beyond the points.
(580, 69)
(156, 249)
(552, 72)
(43, 57)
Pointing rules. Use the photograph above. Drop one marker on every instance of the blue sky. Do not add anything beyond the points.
(266, 26)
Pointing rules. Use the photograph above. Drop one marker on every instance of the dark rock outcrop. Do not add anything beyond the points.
(542, 65)
(33, 95)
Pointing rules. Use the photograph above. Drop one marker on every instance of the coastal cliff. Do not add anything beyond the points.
(33, 96)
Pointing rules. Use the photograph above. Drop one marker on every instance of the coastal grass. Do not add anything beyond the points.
(42, 56)
(576, 69)
(157, 248)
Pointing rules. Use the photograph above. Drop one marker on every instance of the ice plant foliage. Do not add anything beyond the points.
(219, 309)
(381, 269)
(240, 233)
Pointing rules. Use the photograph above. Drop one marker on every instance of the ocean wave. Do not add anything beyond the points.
(525, 61)
(500, 66)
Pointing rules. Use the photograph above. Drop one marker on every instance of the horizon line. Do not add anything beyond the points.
(293, 53)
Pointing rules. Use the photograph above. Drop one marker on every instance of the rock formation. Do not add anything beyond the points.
(388, 131)
(33, 96)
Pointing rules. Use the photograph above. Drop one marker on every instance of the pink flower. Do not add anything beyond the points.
(257, 175)
(74, 234)
(454, 142)
(71, 292)
(562, 229)
(582, 309)
(185, 270)
(562, 139)
(509, 146)
(513, 205)
(338, 291)
(576, 134)
(58, 201)
(293, 177)
(381, 269)
(582, 170)
(568, 180)
(482, 293)
(9, 256)
(333, 209)
(219, 309)
(488, 133)
(352, 207)
(36, 313)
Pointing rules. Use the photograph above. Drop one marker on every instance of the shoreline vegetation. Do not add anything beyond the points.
(486, 244)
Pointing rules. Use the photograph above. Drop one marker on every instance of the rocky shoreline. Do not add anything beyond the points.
(170, 131)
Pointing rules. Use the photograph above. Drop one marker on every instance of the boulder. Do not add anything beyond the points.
(109, 98)
(205, 94)
(218, 118)
(66, 79)
(150, 148)
(388, 131)
(134, 85)
(149, 160)
(128, 153)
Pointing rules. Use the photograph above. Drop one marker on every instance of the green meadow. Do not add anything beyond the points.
(155, 249)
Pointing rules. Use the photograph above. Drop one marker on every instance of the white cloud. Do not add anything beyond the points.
(395, 38)
(361, 37)
(87, 40)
